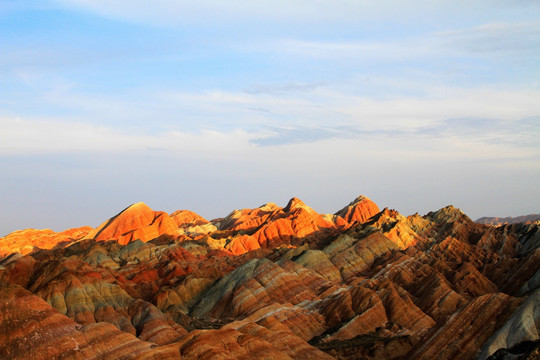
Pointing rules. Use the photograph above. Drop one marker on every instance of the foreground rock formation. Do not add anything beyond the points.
(272, 283)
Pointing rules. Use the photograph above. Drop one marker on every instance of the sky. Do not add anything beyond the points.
(219, 105)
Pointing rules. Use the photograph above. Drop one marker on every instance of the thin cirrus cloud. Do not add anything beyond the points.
(211, 11)
(20, 136)
(38, 136)
(284, 89)
(518, 134)
(170, 12)
(511, 39)
(493, 47)
(270, 115)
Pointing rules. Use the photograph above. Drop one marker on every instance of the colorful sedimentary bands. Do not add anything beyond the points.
(273, 283)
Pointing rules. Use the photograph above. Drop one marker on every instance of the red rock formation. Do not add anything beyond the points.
(186, 218)
(250, 287)
(243, 244)
(352, 257)
(272, 226)
(295, 221)
(401, 309)
(464, 334)
(275, 233)
(227, 344)
(358, 211)
(31, 329)
(248, 219)
(284, 341)
(137, 222)
(25, 241)
(273, 283)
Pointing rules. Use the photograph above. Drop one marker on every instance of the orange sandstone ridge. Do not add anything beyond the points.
(25, 241)
(273, 282)
(136, 222)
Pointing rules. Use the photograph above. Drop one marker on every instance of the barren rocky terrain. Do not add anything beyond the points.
(273, 283)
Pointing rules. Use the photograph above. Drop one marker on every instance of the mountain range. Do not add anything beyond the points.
(273, 283)
(527, 219)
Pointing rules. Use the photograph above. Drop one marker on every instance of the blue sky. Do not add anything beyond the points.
(214, 105)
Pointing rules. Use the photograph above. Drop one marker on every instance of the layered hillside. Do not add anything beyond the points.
(273, 283)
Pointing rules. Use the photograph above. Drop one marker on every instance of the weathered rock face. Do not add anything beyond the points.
(522, 326)
(462, 336)
(256, 284)
(32, 329)
(273, 283)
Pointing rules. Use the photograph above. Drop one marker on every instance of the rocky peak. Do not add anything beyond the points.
(358, 199)
(269, 207)
(186, 218)
(448, 214)
(137, 221)
(137, 211)
(358, 210)
(295, 203)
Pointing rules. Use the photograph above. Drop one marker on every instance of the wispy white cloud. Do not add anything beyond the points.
(506, 39)
(517, 134)
(166, 119)
(509, 39)
(394, 121)
(344, 51)
(172, 12)
(21, 136)
(284, 89)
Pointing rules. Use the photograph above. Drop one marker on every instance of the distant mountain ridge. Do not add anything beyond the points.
(525, 219)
